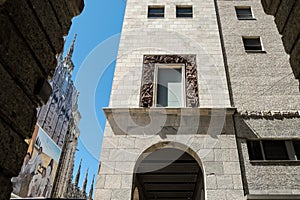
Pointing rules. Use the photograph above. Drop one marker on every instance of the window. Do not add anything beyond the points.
(169, 86)
(184, 65)
(273, 149)
(184, 11)
(156, 12)
(244, 13)
(252, 44)
(254, 150)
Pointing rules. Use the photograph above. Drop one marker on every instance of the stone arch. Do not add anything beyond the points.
(184, 174)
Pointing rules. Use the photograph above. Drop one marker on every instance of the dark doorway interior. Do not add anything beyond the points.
(168, 174)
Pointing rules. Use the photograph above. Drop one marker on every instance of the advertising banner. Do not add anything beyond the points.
(39, 167)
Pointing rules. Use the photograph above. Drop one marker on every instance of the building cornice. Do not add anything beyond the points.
(270, 114)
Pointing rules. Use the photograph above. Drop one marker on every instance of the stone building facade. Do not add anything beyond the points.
(203, 106)
(266, 96)
(64, 84)
(31, 36)
(66, 164)
(54, 117)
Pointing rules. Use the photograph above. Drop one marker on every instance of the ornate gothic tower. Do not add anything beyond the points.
(192, 109)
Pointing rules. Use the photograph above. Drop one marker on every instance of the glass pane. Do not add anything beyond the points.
(275, 150)
(296, 145)
(254, 150)
(156, 12)
(252, 44)
(243, 13)
(174, 94)
(169, 87)
(162, 98)
(184, 12)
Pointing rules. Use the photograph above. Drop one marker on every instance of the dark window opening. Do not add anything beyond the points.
(184, 11)
(275, 150)
(252, 44)
(156, 12)
(243, 13)
(254, 150)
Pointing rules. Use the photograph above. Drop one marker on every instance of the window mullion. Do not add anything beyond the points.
(290, 150)
(262, 150)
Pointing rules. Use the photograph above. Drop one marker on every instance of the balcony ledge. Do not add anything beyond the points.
(149, 121)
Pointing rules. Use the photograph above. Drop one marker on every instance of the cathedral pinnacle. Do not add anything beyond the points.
(85, 181)
(91, 189)
(78, 174)
(68, 59)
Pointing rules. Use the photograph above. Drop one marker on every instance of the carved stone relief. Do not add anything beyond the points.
(191, 82)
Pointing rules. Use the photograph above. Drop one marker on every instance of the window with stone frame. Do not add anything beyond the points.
(169, 81)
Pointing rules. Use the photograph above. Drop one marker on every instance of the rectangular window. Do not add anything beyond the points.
(252, 44)
(184, 11)
(169, 86)
(156, 12)
(244, 13)
(254, 150)
(273, 149)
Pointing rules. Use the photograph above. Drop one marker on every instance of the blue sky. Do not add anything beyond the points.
(98, 30)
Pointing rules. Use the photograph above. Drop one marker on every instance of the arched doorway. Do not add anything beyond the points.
(168, 174)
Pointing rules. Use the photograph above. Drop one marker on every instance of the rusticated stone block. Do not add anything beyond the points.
(11, 142)
(17, 59)
(292, 29)
(16, 108)
(36, 38)
(50, 23)
(270, 6)
(283, 13)
(63, 14)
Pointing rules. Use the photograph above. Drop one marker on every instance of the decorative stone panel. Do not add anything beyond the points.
(191, 83)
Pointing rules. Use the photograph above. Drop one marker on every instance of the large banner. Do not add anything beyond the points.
(39, 166)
